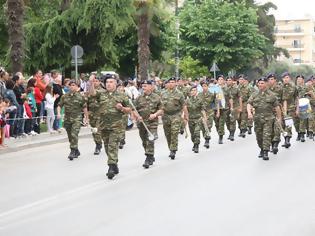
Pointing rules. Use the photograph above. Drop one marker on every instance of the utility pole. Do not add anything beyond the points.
(177, 24)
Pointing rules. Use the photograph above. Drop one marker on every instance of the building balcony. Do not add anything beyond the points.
(293, 32)
(290, 47)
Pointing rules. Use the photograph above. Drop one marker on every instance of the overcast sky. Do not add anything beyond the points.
(292, 9)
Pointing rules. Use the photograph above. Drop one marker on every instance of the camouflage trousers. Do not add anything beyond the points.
(171, 126)
(125, 121)
(111, 139)
(194, 129)
(146, 143)
(291, 113)
(276, 131)
(231, 117)
(94, 122)
(300, 125)
(210, 120)
(220, 122)
(263, 130)
(243, 121)
(73, 127)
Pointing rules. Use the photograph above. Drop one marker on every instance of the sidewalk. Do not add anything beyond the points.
(17, 144)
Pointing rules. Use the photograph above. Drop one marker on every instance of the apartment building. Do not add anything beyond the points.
(298, 37)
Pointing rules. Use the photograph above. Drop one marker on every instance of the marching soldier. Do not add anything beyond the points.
(289, 104)
(173, 102)
(310, 94)
(185, 91)
(264, 102)
(113, 106)
(74, 103)
(245, 92)
(276, 89)
(94, 116)
(300, 124)
(209, 103)
(196, 112)
(149, 108)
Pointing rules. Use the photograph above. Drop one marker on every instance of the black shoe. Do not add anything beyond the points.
(111, 171)
(265, 155)
(146, 164)
(302, 137)
(116, 169)
(249, 130)
(207, 144)
(311, 136)
(181, 132)
(261, 153)
(243, 133)
(77, 153)
(72, 154)
(172, 155)
(98, 149)
(151, 160)
(275, 147)
(121, 144)
(287, 143)
(231, 137)
(220, 139)
(196, 149)
(298, 138)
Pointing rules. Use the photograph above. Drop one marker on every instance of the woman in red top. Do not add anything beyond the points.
(39, 88)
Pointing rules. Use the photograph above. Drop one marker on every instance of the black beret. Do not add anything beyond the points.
(302, 76)
(264, 79)
(146, 82)
(271, 75)
(171, 79)
(241, 76)
(285, 74)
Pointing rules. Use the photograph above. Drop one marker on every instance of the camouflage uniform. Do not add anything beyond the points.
(220, 121)
(233, 115)
(300, 124)
(208, 99)
(277, 91)
(195, 105)
(111, 121)
(264, 104)
(73, 103)
(146, 105)
(311, 121)
(185, 91)
(245, 92)
(173, 102)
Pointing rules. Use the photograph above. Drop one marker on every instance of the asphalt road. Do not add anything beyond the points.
(225, 190)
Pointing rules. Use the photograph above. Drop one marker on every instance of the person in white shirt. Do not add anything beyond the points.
(49, 106)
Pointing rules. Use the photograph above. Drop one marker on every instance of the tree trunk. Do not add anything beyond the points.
(143, 44)
(65, 5)
(15, 14)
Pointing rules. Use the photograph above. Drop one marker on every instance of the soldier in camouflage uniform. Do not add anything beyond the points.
(300, 123)
(210, 104)
(276, 89)
(264, 102)
(173, 102)
(196, 111)
(235, 107)
(122, 142)
(74, 103)
(113, 106)
(221, 113)
(185, 91)
(245, 92)
(290, 105)
(94, 116)
(310, 94)
(149, 108)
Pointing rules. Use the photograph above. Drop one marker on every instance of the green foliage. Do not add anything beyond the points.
(3, 36)
(223, 32)
(192, 68)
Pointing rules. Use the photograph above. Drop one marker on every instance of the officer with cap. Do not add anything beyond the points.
(74, 103)
(276, 89)
(264, 102)
(173, 102)
(245, 92)
(149, 108)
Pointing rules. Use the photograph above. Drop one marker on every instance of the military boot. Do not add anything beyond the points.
(243, 133)
(231, 137)
(172, 155)
(207, 144)
(220, 139)
(275, 147)
(146, 163)
(72, 154)
(111, 171)
(98, 149)
(151, 160)
(77, 153)
(249, 130)
(298, 138)
(302, 137)
(196, 149)
(121, 144)
(261, 153)
(287, 143)
(265, 155)
(116, 169)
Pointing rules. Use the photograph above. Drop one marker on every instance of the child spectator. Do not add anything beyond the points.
(31, 107)
(49, 106)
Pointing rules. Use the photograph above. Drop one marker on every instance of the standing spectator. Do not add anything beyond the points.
(57, 90)
(9, 94)
(31, 123)
(41, 84)
(2, 122)
(83, 83)
(4, 76)
(20, 94)
(49, 106)
(38, 94)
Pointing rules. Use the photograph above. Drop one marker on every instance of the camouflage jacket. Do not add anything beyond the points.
(92, 103)
(277, 91)
(290, 94)
(264, 104)
(302, 89)
(173, 102)
(209, 101)
(194, 106)
(73, 104)
(245, 92)
(184, 90)
(234, 94)
(148, 104)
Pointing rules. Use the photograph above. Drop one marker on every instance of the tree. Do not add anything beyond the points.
(15, 14)
(223, 32)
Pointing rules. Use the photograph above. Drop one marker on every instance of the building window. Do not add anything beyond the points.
(297, 28)
(297, 60)
(296, 43)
